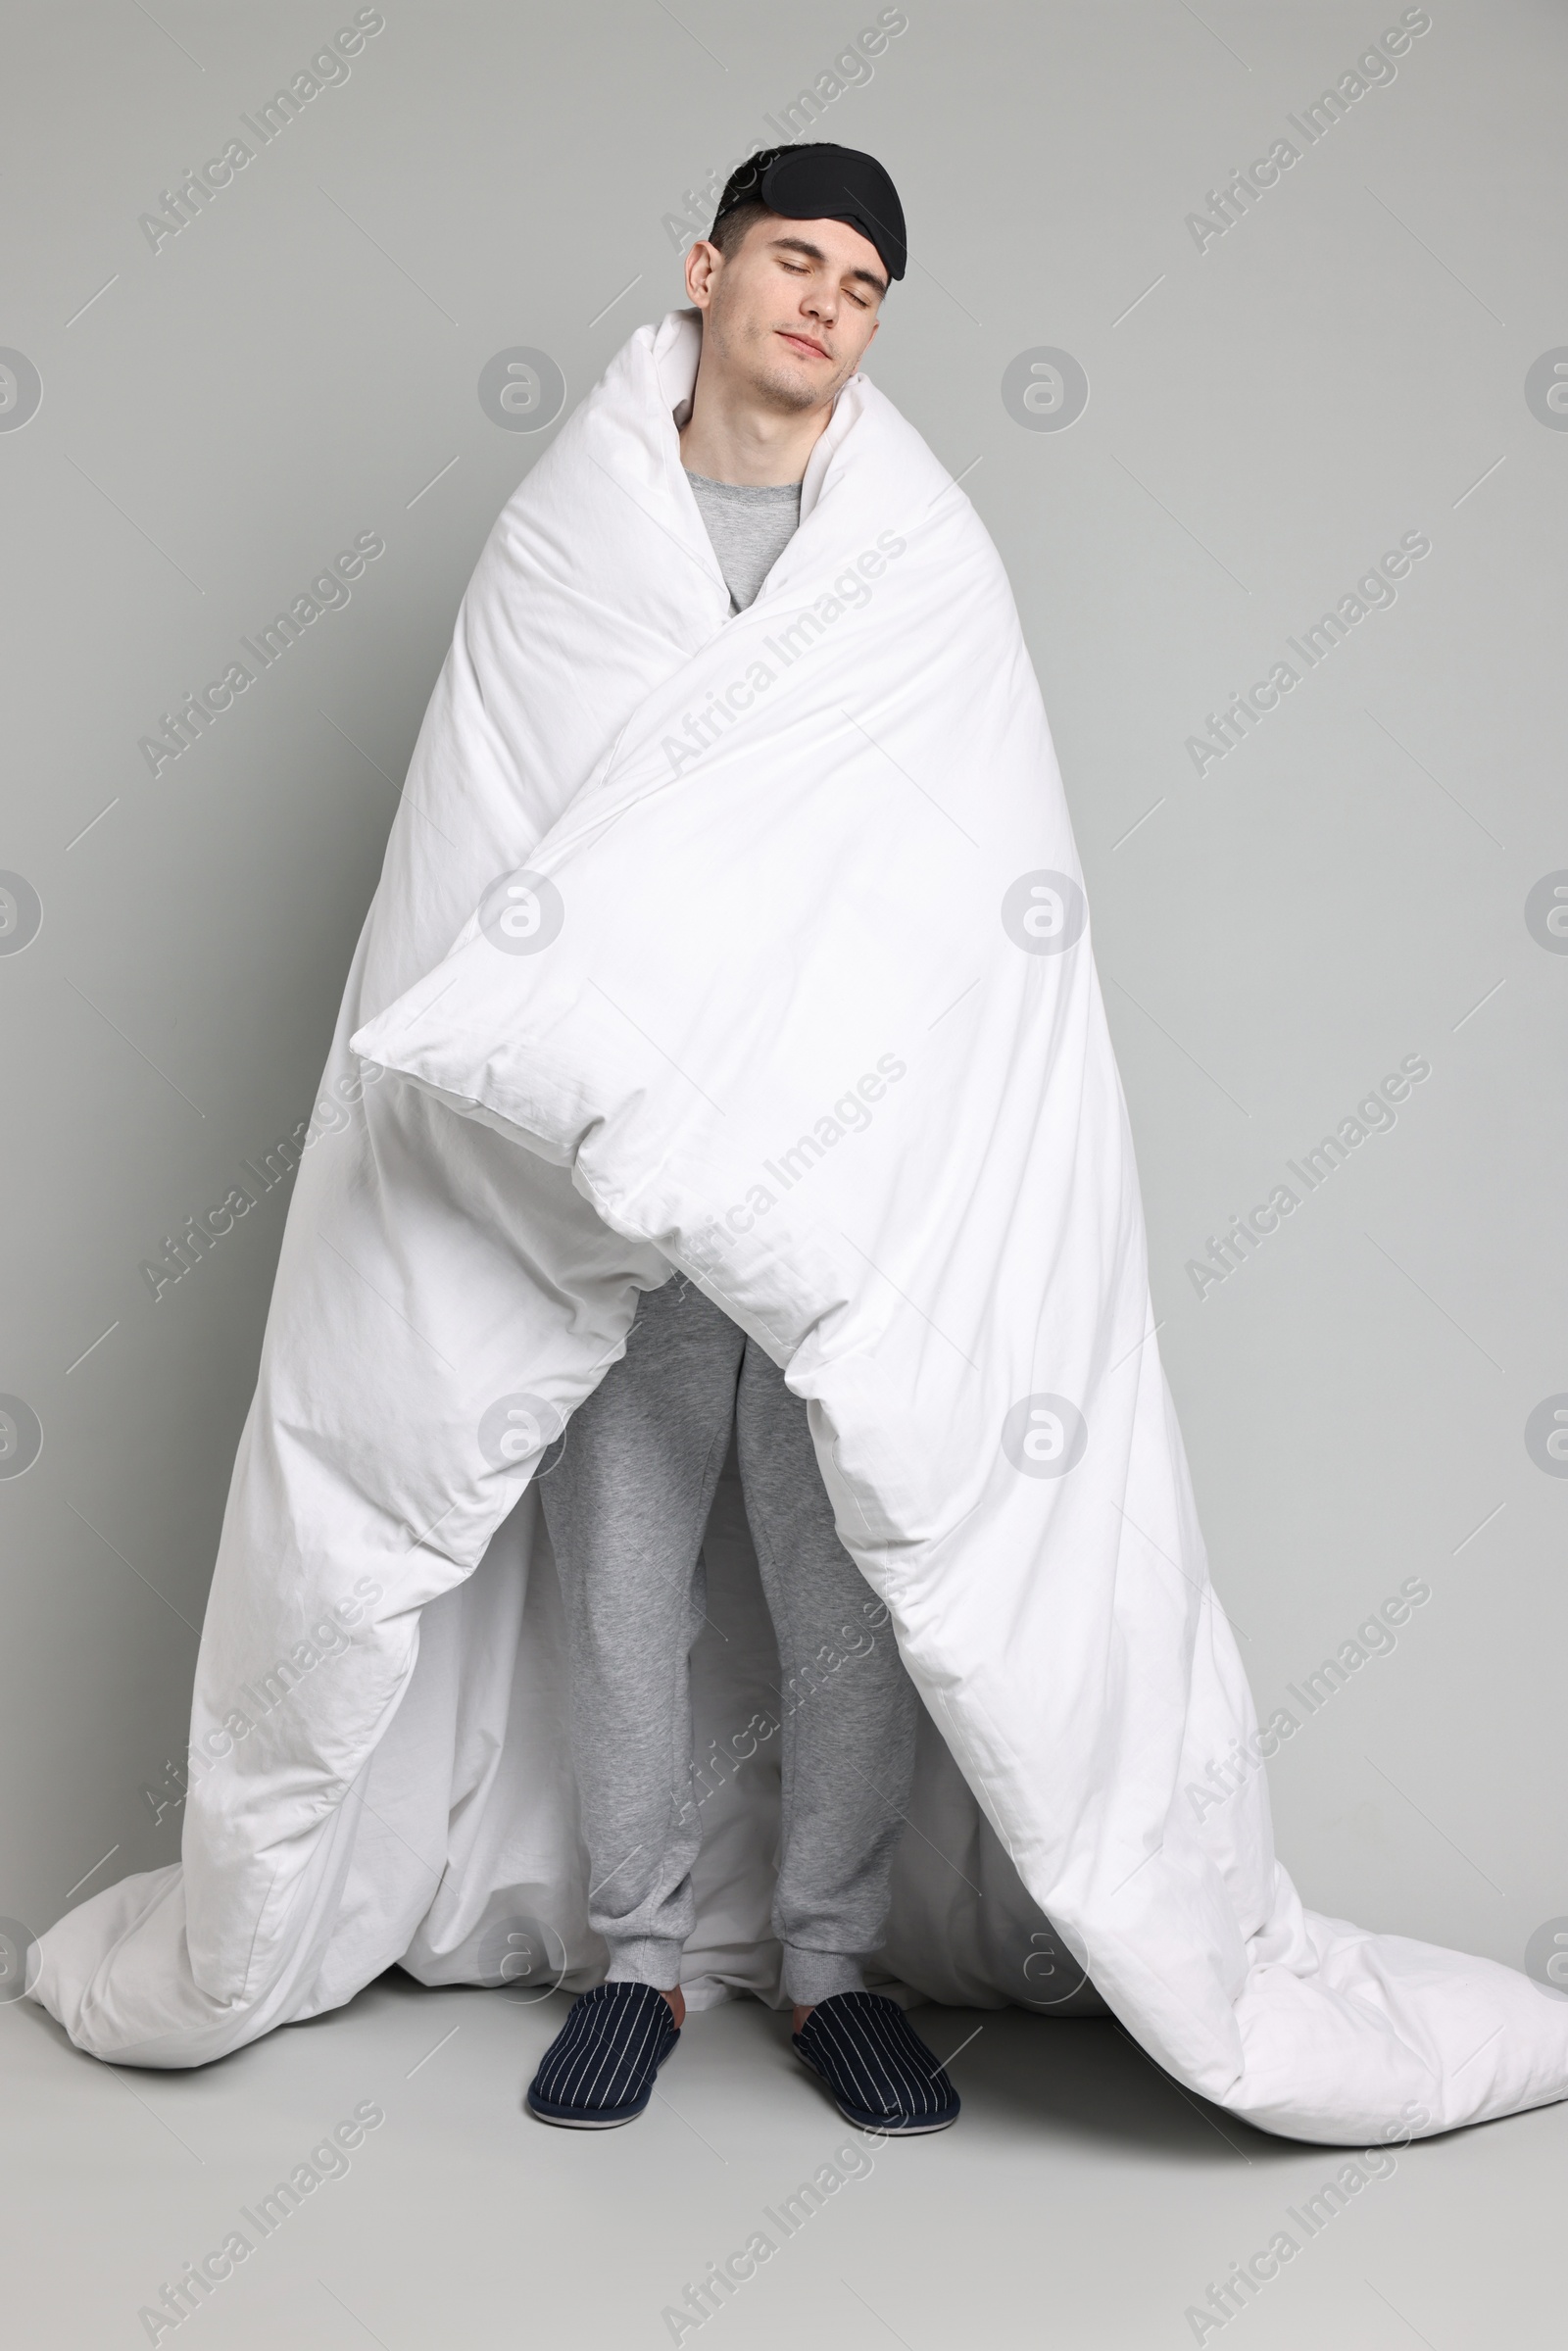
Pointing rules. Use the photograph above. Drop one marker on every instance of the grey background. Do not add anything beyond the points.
(1347, 887)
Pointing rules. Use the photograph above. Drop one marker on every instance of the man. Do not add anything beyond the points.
(790, 285)
(753, 944)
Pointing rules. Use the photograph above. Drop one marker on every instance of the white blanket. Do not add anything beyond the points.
(759, 946)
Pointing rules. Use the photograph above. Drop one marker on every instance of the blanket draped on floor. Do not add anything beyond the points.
(755, 947)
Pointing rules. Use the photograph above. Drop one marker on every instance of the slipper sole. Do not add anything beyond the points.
(567, 2119)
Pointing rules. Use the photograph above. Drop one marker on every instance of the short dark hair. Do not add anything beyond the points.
(728, 233)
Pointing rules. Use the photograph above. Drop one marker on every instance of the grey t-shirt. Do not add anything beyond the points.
(750, 527)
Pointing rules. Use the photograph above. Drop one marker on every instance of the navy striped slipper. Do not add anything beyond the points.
(599, 2069)
(880, 2072)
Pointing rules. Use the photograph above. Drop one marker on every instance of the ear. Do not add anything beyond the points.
(702, 265)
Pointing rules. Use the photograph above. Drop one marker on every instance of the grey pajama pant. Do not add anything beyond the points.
(626, 1495)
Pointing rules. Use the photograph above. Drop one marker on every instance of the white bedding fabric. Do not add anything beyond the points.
(853, 915)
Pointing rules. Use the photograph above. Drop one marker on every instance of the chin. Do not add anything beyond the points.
(793, 367)
(787, 387)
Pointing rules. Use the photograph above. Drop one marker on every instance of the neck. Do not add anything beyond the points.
(732, 437)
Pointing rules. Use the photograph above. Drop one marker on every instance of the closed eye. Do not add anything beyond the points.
(798, 270)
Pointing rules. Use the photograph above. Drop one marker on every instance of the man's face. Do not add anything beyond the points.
(791, 312)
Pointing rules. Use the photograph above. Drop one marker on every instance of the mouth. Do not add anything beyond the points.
(802, 344)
